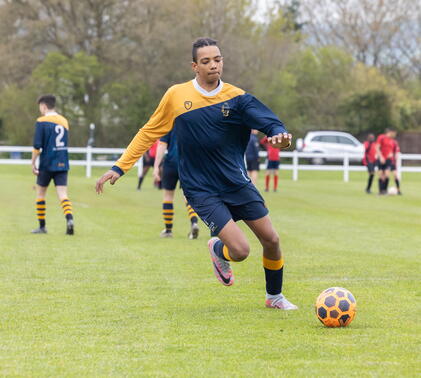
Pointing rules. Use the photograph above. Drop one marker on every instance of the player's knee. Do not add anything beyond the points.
(271, 241)
(239, 252)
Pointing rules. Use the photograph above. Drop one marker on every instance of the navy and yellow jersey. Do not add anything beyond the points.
(51, 135)
(171, 158)
(212, 133)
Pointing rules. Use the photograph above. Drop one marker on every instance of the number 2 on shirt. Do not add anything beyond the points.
(60, 131)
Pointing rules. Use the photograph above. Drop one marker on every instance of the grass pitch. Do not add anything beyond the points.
(115, 299)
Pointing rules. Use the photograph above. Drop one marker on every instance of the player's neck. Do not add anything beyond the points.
(207, 92)
(208, 87)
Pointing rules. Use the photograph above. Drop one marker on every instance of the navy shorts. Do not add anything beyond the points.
(273, 164)
(386, 166)
(371, 167)
(59, 177)
(216, 210)
(252, 164)
(169, 177)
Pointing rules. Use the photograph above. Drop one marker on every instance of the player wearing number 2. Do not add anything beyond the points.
(50, 144)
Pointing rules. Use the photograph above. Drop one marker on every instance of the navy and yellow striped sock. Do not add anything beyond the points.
(41, 210)
(192, 214)
(274, 270)
(67, 208)
(221, 250)
(168, 214)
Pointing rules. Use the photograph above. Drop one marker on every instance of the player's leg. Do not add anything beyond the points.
(273, 262)
(168, 213)
(275, 176)
(397, 181)
(194, 227)
(370, 169)
(169, 179)
(230, 245)
(60, 181)
(41, 209)
(382, 179)
(267, 179)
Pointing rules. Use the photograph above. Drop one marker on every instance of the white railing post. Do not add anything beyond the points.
(88, 161)
(295, 165)
(346, 167)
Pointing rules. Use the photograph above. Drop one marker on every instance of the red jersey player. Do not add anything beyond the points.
(272, 166)
(384, 147)
(396, 152)
(369, 159)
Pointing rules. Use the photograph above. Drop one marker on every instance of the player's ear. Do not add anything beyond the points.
(194, 66)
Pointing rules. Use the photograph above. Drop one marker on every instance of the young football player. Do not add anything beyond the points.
(212, 122)
(50, 144)
(169, 182)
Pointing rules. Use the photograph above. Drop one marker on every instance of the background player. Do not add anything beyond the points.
(395, 155)
(252, 157)
(51, 139)
(169, 183)
(369, 159)
(384, 148)
(272, 164)
(148, 162)
(212, 121)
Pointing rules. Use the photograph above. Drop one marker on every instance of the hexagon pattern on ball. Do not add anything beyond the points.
(336, 307)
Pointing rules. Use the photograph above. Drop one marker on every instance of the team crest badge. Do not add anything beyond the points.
(188, 104)
(225, 109)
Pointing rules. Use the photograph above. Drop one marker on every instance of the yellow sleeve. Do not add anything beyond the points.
(160, 123)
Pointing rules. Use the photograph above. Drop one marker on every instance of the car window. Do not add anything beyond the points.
(317, 138)
(345, 140)
(328, 139)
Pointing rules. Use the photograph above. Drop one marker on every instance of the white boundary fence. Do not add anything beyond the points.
(295, 166)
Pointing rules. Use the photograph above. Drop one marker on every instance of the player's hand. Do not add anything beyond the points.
(280, 140)
(35, 170)
(156, 175)
(382, 160)
(111, 176)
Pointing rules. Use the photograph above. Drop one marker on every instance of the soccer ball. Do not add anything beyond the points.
(392, 191)
(336, 307)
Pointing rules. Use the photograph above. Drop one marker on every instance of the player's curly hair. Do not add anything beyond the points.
(202, 42)
(48, 99)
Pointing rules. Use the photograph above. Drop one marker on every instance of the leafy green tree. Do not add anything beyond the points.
(369, 112)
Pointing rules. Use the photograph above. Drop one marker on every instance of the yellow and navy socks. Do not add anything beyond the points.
(41, 210)
(192, 214)
(67, 208)
(274, 270)
(221, 250)
(168, 214)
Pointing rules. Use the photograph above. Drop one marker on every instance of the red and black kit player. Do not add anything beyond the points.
(396, 152)
(384, 147)
(369, 159)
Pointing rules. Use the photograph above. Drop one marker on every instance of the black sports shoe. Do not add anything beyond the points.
(39, 230)
(70, 227)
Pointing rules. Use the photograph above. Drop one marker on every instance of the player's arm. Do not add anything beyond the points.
(37, 147)
(160, 152)
(35, 154)
(378, 151)
(258, 116)
(160, 123)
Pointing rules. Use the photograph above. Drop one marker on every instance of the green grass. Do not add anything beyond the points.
(117, 300)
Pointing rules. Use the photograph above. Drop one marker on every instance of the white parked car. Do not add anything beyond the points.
(331, 142)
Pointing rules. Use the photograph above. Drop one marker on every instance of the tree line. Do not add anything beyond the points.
(353, 65)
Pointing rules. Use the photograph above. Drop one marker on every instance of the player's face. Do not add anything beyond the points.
(42, 108)
(209, 64)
